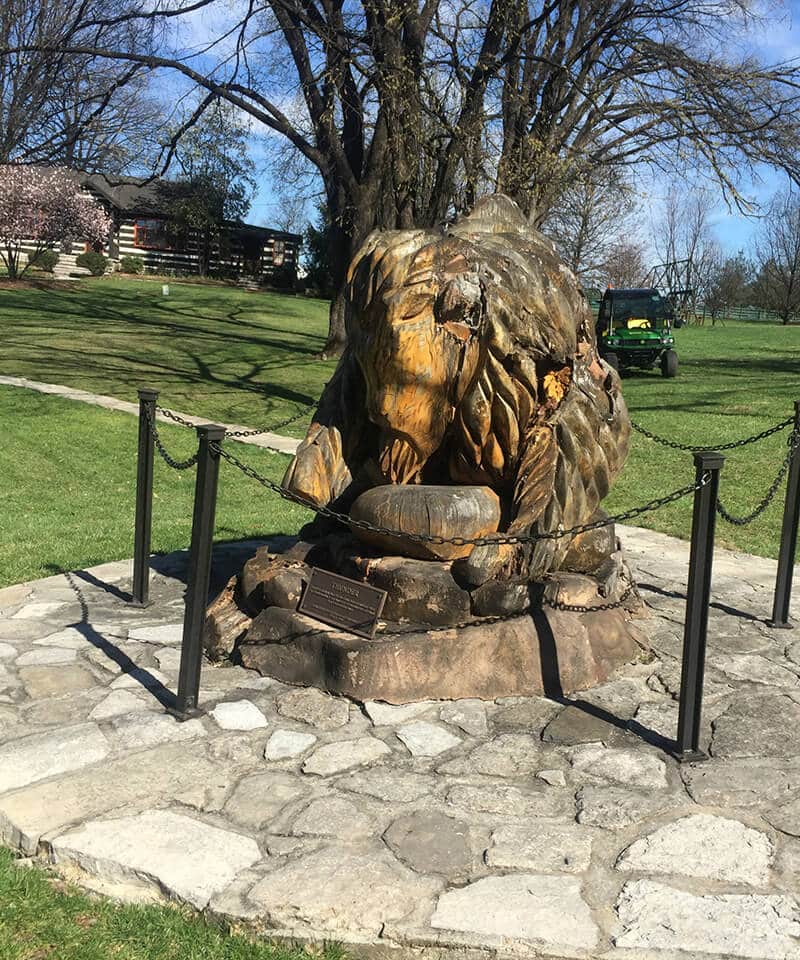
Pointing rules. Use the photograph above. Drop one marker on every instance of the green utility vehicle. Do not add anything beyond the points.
(634, 329)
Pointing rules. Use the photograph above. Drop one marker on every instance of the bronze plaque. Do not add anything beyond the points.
(342, 602)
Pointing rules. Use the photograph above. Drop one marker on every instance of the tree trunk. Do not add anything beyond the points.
(11, 261)
(348, 231)
(340, 251)
(337, 335)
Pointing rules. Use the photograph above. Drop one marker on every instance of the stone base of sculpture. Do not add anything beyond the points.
(437, 638)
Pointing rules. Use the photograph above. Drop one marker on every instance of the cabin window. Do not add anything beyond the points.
(152, 234)
(278, 252)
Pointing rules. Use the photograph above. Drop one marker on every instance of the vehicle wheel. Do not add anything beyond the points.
(669, 364)
(612, 360)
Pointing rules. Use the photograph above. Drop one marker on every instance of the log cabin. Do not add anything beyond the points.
(144, 226)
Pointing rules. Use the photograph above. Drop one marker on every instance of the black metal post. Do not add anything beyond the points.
(144, 500)
(791, 516)
(205, 505)
(698, 592)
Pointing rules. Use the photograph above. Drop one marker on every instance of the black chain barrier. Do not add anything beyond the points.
(457, 541)
(165, 455)
(237, 434)
(724, 446)
(793, 443)
(629, 592)
(673, 444)
(707, 506)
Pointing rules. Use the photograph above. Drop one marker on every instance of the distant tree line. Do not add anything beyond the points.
(597, 227)
(766, 276)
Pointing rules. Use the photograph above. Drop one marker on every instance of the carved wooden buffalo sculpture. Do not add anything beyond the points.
(471, 359)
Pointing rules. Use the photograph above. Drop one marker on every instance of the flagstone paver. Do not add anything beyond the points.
(431, 843)
(534, 907)
(187, 858)
(118, 702)
(42, 755)
(28, 814)
(705, 846)
(543, 846)
(284, 744)
(661, 918)
(527, 826)
(631, 767)
(426, 739)
(344, 755)
(468, 715)
(239, 715)
(342, 890)
(314, 707)
(387, 714)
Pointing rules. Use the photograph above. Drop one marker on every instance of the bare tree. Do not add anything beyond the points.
(593, 83)
(589, 221)
(777, 250)
(101, 119)
(730, 285)
(408, 107)
(683, 235)
(625, 264)
(80, 110)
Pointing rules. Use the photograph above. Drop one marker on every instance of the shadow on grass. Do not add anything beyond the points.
(204, 335)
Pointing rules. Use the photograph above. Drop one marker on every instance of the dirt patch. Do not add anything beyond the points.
(36, 283)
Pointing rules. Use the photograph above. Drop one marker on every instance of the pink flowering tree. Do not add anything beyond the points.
(41, 207)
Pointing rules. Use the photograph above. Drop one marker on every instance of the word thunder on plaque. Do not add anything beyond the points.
(342, 602)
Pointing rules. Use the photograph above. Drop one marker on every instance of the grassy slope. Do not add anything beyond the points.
(733, 382)
(43, 918)
(68, 487)
(213, 350)
(249, 358)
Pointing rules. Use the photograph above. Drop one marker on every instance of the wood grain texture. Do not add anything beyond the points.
(471, 359)
(430, 510)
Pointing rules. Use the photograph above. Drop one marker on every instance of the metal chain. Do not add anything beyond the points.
(238, 434)
(176, 417)
(458, 541)
(580, 608)
(273, 429)
(170, 461)
(502, 617)
(794, 443)
(725, 446)
(479, 621)
(689, 448)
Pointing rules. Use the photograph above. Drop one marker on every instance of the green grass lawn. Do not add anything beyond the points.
(68, 488)
(250, 358)
(210, 349)
(734, 381)
(41, 918)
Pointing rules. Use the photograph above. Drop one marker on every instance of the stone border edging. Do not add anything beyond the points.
(268, 441)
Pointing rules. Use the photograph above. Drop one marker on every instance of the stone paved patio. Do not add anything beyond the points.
(523, 827)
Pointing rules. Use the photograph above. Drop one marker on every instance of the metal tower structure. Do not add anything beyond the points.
(675, 280)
